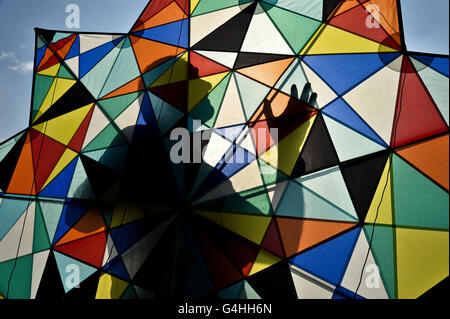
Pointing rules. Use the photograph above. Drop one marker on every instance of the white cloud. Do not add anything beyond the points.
(15, 63)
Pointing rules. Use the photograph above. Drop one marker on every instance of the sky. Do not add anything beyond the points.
(425, 22)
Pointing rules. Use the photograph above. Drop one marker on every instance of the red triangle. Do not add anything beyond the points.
(354, 21)
(89, 249)
(272, 241)
(78, 139)
(152, 8)
(62, 48)
(183, 5)
(175, 94)
(46, 155)
(219, 267)
(417, 116)
(199, 66)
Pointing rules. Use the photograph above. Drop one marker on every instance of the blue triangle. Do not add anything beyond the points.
(439, 64)
(90, 58)
(40, 54)
(60, 185)
(343, 293)
(71, 214)
(75, 49)
(329, 261)
(175, 33)
(147, 117)
(343, 72)
(127, 235)
(231, 133)
(340, 111)
(117, 268)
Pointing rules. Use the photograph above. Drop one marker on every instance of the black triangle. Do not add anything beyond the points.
(318, 152)
(46, 35)
(8, 164)
(328, 7)
(362, 177)
(249, 59)
(76, 97)
(51, 287)
(100, 176)
(229, 36)
(274, 282)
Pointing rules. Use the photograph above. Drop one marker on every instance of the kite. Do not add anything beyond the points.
(347, 199)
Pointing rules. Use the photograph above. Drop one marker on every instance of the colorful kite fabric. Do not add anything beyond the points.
(348, 200)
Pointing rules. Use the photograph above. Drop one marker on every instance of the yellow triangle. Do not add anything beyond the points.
(332, 40)
(58, 88)
(175, 73)
(131, 212)
(263, 260)
(385, 208)
(284, 154)
(249, 226)
(200, 88)
(110, 287)
(194, 4)
(422, 260)
(51, 71)
(65, 160)
(63, 128)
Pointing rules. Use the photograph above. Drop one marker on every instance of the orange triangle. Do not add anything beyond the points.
(150, 54)
(22, 181)
(300, 234)
(431, 157)
(90, 224)
(135, 85)
(169, 14)
(267, 73)
(347, 5)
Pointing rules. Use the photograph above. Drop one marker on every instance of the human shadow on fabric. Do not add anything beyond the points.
(165, 243)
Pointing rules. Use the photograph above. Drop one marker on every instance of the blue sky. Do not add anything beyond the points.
(426, 30)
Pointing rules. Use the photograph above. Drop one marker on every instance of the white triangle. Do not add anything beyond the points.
(73, 65)
(371, 286)
(348, 143)
(308, 286)
(225, 58)
(205, 24)
(39, 261)
(98, 123)
(91, 41)
(110, 251)
(9, 245)
(247, 178)
(324, 94)
(375, 99)
(330, 184)
(263, 37)
(275, 193)
(129, 117)
(231, 112)
(134, 257)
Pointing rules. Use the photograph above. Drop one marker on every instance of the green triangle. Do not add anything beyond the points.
(129, 293)
(383, 251)
(116, 105)
(20, 282)
(51, 211)
(109, 137)
(63, 262)
(64, 73)
(213, 102)
(209, 6)
(40, 237)
(42, 84)
(254, 201)
(417, 201)
(270, 174)
(296, 29)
